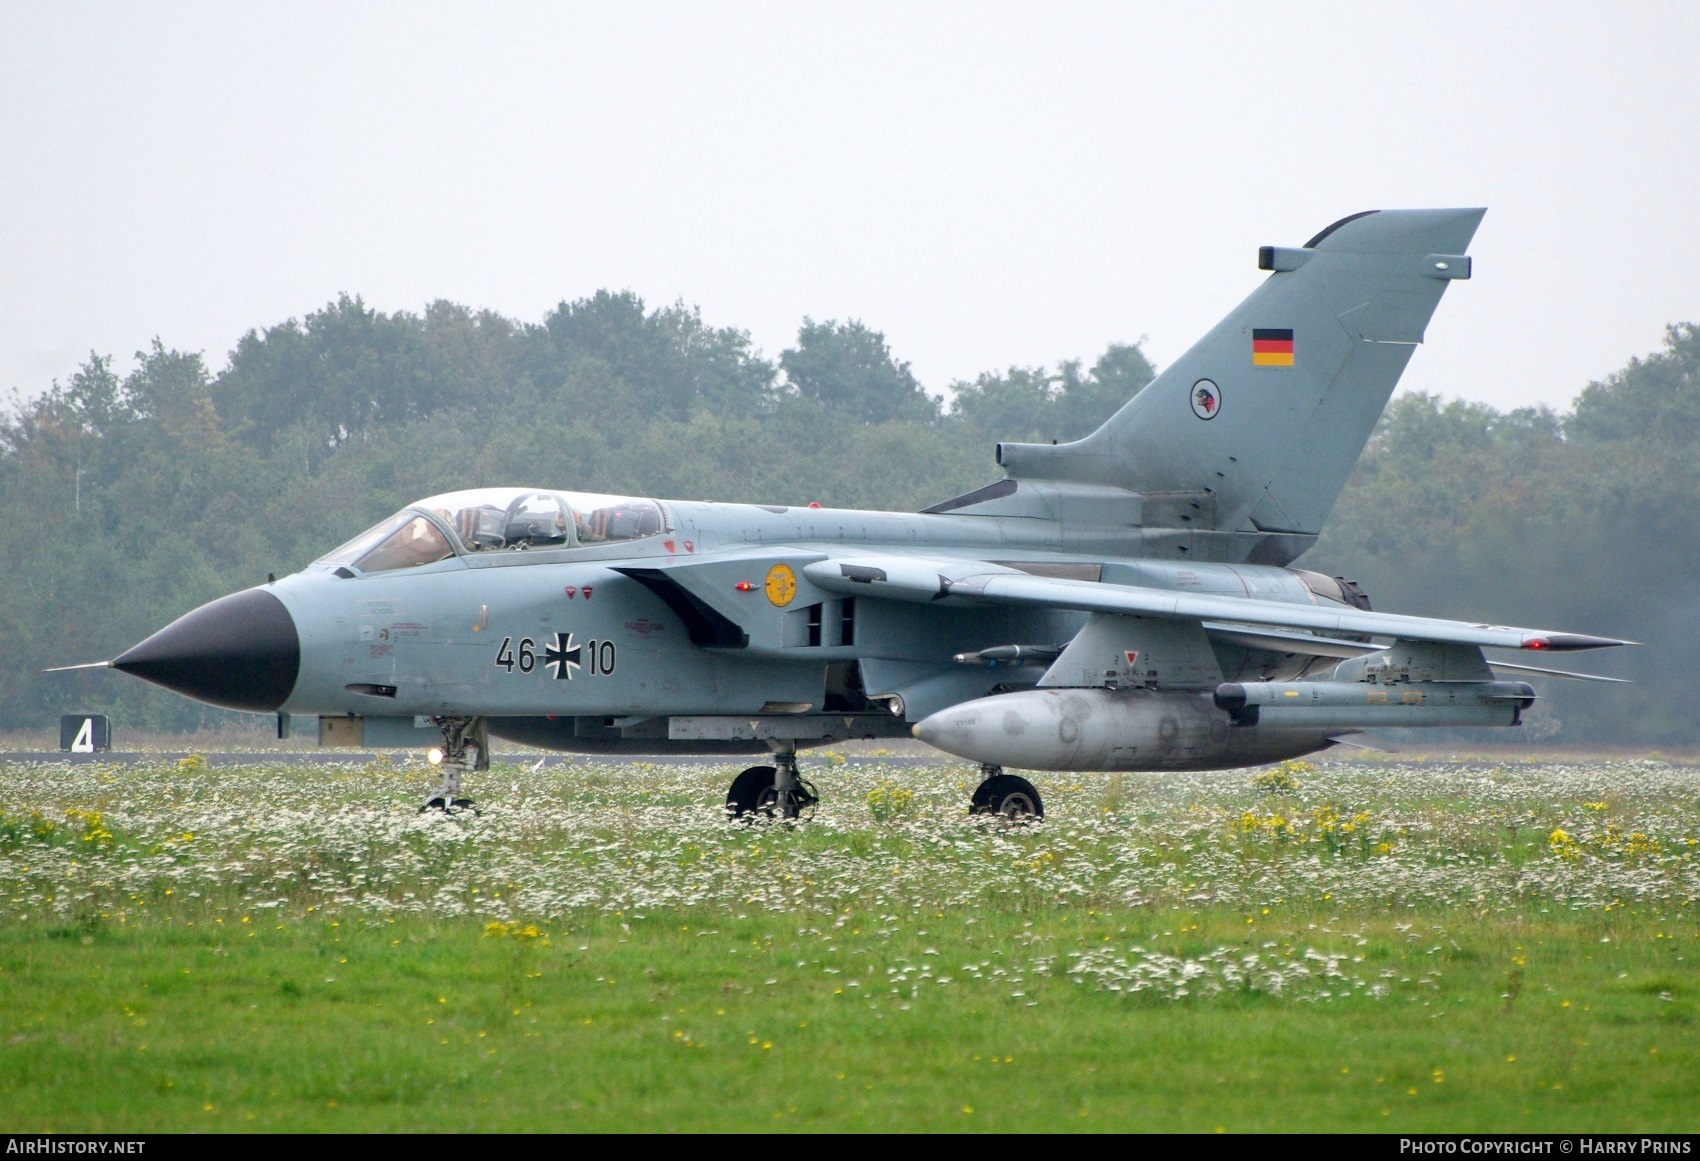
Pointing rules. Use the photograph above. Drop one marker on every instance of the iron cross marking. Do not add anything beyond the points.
(563, 656)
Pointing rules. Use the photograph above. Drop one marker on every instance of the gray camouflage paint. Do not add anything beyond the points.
(1164, 535)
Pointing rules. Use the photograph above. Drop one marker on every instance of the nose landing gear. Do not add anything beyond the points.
(775, 791)
(1005, 794)
(466, 749)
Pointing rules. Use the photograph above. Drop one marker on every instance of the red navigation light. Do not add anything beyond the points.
(743, 586)
(1537, 643)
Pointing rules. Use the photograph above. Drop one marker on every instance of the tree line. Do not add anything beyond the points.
(135, 496)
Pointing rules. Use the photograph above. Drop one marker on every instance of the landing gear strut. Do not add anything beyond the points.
(775, 790)
(1005, 794)
(465, 749)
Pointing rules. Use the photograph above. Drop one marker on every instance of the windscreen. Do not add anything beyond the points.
(415, 543)
(354, 549)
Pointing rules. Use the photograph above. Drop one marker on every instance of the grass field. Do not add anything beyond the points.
(1368, 946)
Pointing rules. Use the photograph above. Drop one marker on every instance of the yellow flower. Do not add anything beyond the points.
(1640, 844)
(1283, 779)
(888, 800)
(95, 831)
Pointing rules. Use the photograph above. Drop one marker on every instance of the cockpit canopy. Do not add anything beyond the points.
(496, 520)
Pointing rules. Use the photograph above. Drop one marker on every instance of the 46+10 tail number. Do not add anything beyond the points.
(564, 657)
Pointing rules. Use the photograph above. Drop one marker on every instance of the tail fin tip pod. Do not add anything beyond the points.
(1269, 411)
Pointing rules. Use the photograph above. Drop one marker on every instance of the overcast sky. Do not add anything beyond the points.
(988, 184)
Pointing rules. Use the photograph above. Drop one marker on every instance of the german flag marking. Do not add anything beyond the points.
(1272, 347)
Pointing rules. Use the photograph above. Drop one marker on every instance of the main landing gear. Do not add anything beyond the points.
(1005, 794)
(775, 790)
(465, 749)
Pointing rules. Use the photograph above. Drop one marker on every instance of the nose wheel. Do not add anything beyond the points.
(775, 791)
(465, 749)
(1005, 794)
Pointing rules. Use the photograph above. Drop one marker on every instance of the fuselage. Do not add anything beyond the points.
(564, 631)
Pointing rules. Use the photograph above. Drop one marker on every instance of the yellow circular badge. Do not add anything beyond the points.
(781, 584)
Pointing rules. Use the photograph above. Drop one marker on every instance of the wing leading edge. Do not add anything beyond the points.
(976, 582)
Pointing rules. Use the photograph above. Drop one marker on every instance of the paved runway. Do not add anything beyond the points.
(359, 757)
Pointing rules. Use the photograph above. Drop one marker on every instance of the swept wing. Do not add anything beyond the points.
(903, 578)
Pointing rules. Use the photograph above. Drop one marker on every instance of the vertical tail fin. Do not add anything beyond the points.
(1267, 413)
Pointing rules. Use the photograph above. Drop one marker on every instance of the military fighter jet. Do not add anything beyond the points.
(1123, 602)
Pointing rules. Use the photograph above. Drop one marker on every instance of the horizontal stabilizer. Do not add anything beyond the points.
(1363, 746)
(1307, 644)
(1285, 641)
(1559, 673)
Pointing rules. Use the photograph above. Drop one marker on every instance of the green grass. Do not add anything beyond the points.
(315, 1024)
(287, 949)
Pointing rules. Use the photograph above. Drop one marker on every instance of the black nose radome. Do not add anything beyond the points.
(240, 652)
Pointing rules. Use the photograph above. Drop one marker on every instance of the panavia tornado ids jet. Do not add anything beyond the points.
(1123, 602)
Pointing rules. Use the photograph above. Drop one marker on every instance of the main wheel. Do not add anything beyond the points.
(1009, 796)
(745, 795)
(804, 798)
